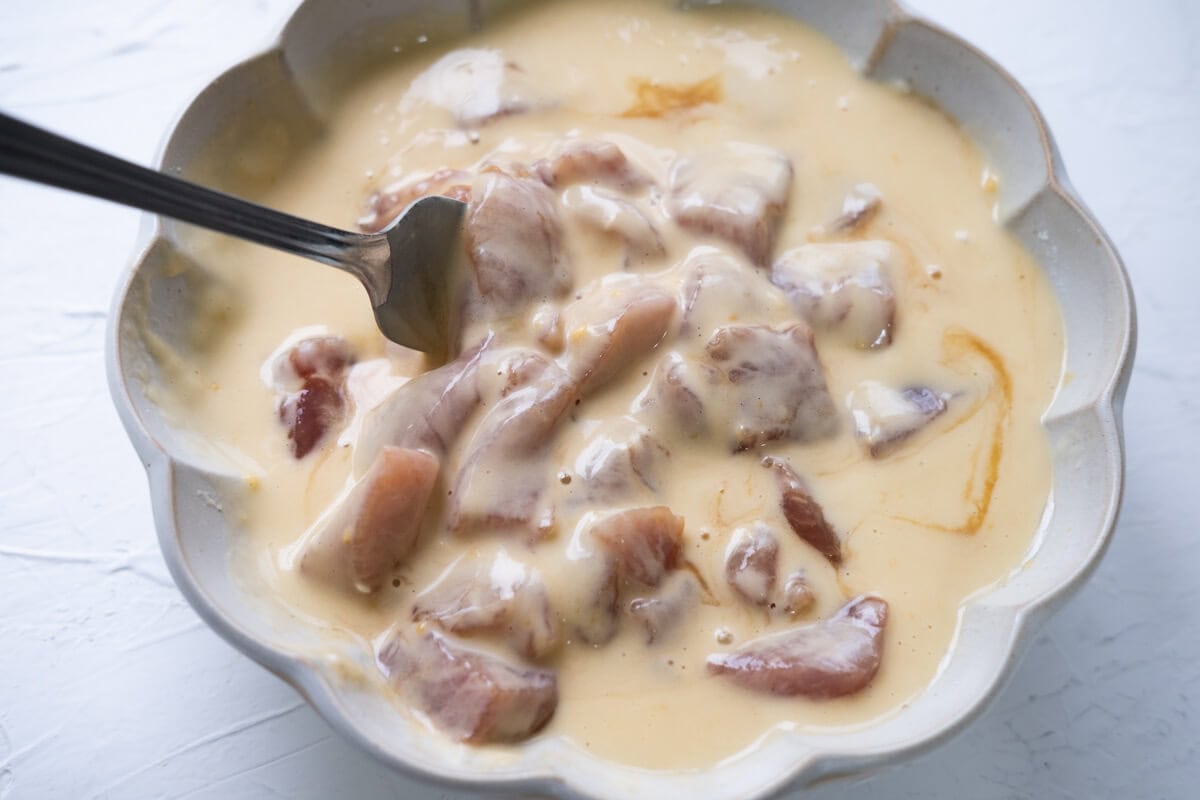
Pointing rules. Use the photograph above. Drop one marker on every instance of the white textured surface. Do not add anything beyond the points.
(111, 687)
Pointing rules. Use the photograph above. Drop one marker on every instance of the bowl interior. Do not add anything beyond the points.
(195, 485)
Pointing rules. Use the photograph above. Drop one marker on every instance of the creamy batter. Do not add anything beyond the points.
(923, 521)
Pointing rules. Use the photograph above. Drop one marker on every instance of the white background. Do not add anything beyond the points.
(111, 687)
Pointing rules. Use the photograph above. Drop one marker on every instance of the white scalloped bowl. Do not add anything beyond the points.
(1083, 422)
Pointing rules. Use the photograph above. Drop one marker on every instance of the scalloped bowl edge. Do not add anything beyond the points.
(996, 623)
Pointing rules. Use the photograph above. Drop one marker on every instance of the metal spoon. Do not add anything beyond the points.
(407, 268)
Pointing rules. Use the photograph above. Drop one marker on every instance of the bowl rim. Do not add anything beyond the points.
(317, 689)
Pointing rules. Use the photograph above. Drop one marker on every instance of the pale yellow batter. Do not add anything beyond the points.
(949, 511)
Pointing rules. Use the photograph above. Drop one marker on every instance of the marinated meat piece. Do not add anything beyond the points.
(369, 383)
(470, 694)
(832, 658)
(798, 594)
(611, 327)
(609, 213)
(358, 544)
(475, 86)
(676, 393)
(750, 563)
(310, 413)
(514, 240)
(802, 512)
(842, 287)
(518, 367)
(504, 470)
(499, 597)
(776, 383)
(594, 618)
(384, 206)
(638, 548)
(595, 162)
(861, 205)
(718, 289)
(660, 613)
(737, 193)
(884, 417)
(425, 413)
(311, 377)
(547, 327)
(325, 356)
(645, 542)
(618, 461)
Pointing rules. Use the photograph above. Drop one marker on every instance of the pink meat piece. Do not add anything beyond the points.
(609, 213)
(599, 589)
(591, 161)
(842, 287)
(310, 413)
(385, 205)
(718, 288)
(475, 86)
(498, 597)
(546, 325)
(358, 544)
(885, 417)
(751, 562)
(737, 193)
(519, 367)
(504, 472)
(859, 207)
(676, 390)
(645, 542)
(802, 512)
(798, 594)
(311, 380)
(610, 328)
(514, 240)
(426, 413)
(616, 464)
(777, 381)
(328, 356)
(832, 658)
(660, 614)
(470, 694)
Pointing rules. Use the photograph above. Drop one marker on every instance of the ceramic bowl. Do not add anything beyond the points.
(191, 491)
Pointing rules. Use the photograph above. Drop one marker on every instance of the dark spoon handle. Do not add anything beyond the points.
(29, 152)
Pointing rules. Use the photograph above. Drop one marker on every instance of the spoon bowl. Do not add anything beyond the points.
(424, 273)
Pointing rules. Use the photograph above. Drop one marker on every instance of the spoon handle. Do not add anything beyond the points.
(35, 154)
